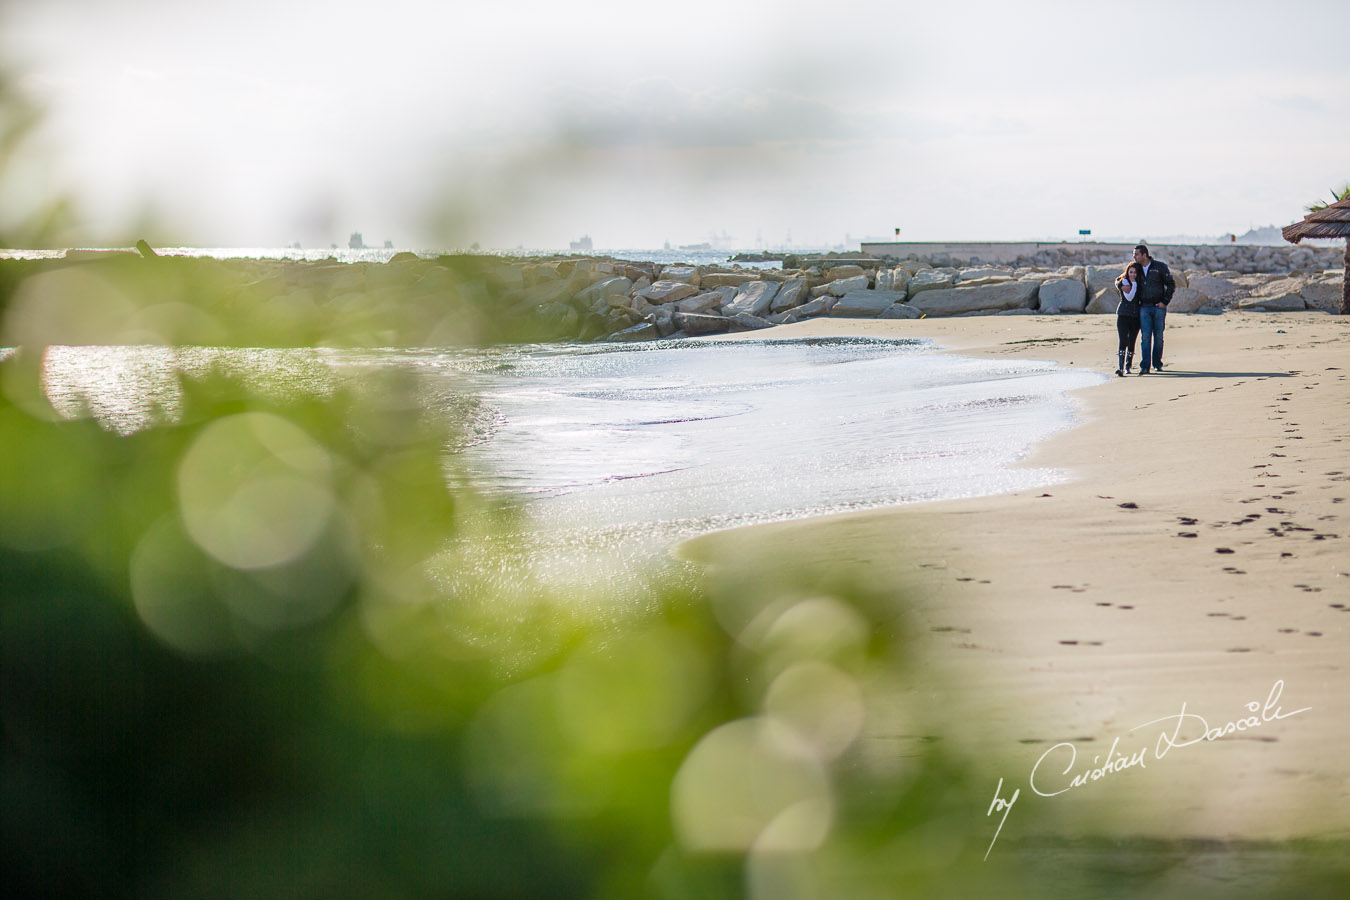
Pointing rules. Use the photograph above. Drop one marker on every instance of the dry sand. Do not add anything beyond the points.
(1196, 554)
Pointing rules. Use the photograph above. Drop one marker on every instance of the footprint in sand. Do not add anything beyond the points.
(1128, 505)
(1224, 550)
(1239, 650)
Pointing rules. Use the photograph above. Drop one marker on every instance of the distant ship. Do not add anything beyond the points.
(715, 241)
(583, 244)
(355, 243)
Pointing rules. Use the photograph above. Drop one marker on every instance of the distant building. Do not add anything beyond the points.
(584, 243)
(355, 243)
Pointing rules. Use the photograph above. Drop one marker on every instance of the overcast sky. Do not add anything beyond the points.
(531, 122)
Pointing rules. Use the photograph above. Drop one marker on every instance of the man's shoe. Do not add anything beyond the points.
(1143, 371)
(1118, 372)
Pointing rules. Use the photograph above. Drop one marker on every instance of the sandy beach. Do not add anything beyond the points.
(1193, 560)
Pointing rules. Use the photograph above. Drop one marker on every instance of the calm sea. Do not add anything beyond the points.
(615, 452)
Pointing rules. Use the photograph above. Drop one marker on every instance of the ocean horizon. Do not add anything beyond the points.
(666, 256)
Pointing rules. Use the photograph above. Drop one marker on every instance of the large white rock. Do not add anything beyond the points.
(636, 304)
(701, 303)
(1278, 295)
(817, 307)
(696, 323)
(1324, 292)
(1187, 300)
(974, 277)
(1104, 300)
(900, 311)
(754, 297)
(841, 286)
(1062, 295)
(1257, 282)
(864, 304)
(892, 279)
(746, 322)
(665, 291)
(618, 286)
(1211, 286)
(1275, 302)
(975, 273)
(989, 298)
(726, 279)
(834, 273)
(792, 293)
(930, 280)
(686, 274)
(1098, 277)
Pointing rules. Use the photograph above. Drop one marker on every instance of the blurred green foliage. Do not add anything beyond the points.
(231, 665)
(121, 298)
(207, 694)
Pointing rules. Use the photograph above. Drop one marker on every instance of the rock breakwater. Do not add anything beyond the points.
(112, 298)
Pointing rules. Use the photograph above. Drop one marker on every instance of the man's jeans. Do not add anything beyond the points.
(1151, 319)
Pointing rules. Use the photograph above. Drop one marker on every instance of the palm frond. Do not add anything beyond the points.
(1336, 197)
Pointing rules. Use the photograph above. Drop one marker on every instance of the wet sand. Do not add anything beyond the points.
(1198, 555)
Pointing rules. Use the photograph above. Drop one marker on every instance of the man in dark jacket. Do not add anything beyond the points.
(1156, 288)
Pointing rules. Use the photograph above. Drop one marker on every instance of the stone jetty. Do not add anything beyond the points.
(628, 301)
(415, 300)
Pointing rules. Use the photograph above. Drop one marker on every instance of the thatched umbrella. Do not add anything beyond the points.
(1331, 221)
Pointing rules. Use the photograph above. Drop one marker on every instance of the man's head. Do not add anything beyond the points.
(1141, 254)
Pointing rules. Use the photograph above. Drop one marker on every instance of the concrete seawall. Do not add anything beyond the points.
(989, 251)
(1307, 257)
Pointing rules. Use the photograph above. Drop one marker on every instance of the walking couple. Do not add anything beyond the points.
(1146, 287)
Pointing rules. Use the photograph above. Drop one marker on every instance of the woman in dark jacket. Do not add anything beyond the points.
(1127, 317)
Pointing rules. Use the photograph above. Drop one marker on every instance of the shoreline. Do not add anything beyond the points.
(1195, 556)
